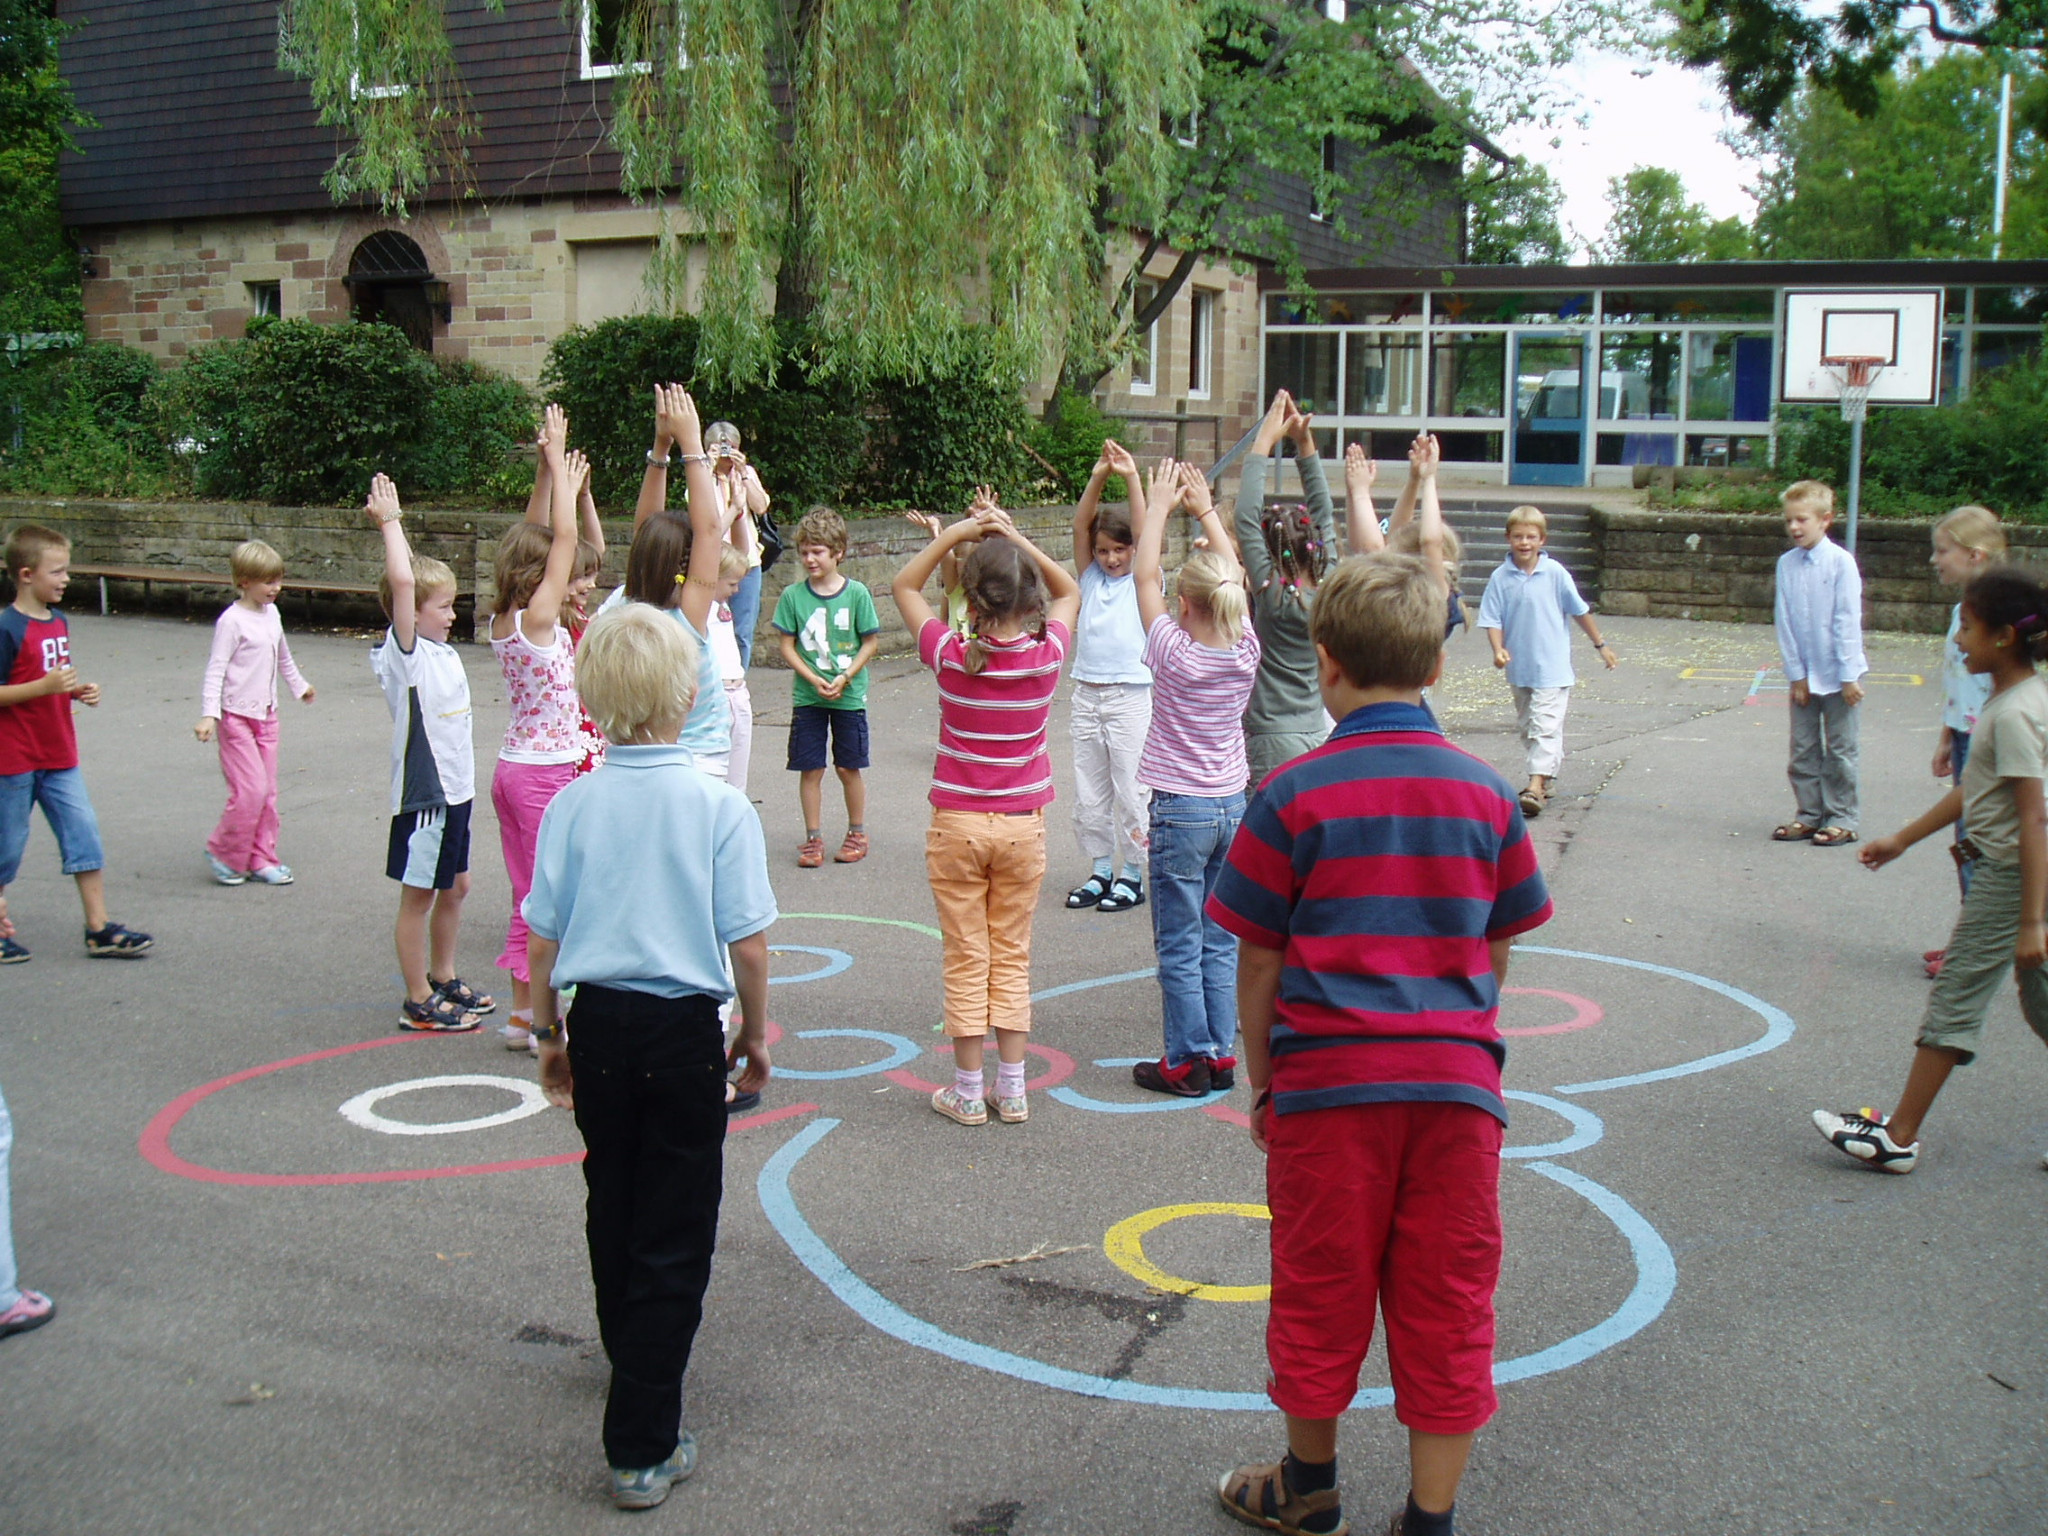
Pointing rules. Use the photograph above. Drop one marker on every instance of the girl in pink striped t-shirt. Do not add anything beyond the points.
(1204, 658)
(985, 852)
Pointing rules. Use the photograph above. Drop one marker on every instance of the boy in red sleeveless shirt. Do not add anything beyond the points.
(39, 749)
(1374, 887)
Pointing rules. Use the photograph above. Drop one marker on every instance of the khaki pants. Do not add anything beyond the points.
(986, 871)
(1539, 715)
(1978, 960)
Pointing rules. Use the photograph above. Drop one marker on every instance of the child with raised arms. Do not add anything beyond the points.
(1967, 542)
(985, 852)
(238, 705)
(39, 745)
(829, 631)
(1112, 703)
(542, 748)
(647, 870)
(2004, 632)
(1203, 657)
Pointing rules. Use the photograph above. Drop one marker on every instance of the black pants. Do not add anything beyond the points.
(650, 1102)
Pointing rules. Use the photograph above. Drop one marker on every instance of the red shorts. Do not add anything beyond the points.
(1397, 1204)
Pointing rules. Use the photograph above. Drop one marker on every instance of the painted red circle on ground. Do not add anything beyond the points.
(1059, 1067)
(1585, 1012)
(155, 1141)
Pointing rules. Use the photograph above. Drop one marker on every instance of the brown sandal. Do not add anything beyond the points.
(1833, 837)
(1793, 832)
(1259, 1495)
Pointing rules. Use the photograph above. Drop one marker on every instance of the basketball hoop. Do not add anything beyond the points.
(1856, 377)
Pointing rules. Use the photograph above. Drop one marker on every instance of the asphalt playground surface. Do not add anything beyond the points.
(272, 1320)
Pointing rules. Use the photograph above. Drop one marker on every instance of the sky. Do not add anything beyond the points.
(1639, 112)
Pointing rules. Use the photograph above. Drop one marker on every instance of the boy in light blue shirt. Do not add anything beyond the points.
(1523, 616)
(643, 870)
(1819, 612)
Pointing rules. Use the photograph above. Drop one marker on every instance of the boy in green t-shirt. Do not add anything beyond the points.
(829, 633)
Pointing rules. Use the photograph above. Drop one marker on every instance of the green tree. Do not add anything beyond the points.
(1515, 216)
(1913, 178)
(900, 174)
(39, 272)
(1651, 220)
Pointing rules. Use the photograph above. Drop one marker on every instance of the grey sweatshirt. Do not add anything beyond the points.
(1285, 699)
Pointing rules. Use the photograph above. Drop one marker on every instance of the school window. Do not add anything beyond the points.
(1201, 342)
(1316, 210)
(1336, 10)
(266, 300)
(1187, 131)
(1145, 355)
(376, 75)
(608, 49)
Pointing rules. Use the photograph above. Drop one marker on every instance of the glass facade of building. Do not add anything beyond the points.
(1686, 376)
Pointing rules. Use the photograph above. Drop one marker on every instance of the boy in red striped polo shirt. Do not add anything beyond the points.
(1374, 887)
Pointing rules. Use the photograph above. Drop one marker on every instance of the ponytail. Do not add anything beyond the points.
(1214, 583)
(1002, 584)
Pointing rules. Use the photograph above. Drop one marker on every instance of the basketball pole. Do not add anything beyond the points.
(1855, 476)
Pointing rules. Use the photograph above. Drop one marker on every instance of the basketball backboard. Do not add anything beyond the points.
(1902, 326)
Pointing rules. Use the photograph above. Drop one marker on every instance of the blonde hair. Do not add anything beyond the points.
(1975, 528)
(1809, 496)
(428, 577)
(636, 671)
(255, 561)
(731, 562)
(27, 545)
(1529, 517)
(1407, 540)
(824, 529)
(1380, 618)
(1213, 583)
(721, 432)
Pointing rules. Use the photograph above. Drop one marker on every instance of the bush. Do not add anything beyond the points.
(476, 424)
(1070, 437)
(76, 422)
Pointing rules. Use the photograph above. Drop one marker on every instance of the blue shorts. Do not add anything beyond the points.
(429, 848)
(808, 726)
(66, 807)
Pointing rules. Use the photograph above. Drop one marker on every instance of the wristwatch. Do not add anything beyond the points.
(550, 1034)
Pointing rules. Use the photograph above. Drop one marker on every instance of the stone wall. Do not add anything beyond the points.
(1716, 565)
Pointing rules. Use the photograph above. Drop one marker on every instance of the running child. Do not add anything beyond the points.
(1369, 999)
(1112, 704)
(985, 852)
(238, 704)
(1820, 642)
(1966, 543)
(433, 775)
(829, 631)
(673, 566)
(645, 871)
(39, 747)
(1203, 657)
(542, 748)
(1523, 614)
(2004, 631)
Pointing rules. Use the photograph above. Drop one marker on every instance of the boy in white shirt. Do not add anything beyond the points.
(433, 775)
(1820, 640)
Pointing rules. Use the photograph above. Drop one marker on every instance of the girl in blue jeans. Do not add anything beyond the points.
(1204, 658)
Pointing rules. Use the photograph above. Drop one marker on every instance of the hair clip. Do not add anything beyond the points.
(2031, 621)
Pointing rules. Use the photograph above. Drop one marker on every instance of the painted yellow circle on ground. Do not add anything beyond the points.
(1125, 1245)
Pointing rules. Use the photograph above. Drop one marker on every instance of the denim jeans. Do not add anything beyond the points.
(746, 614)
(61, 794)
(1197, 960)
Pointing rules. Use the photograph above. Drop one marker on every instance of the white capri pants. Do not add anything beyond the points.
(1111, 808)
(1540, 714)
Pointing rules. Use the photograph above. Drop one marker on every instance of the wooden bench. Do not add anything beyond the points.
(173, 576)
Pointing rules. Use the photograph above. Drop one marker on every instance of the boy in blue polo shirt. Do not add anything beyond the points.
(1374, 887)
(1523, 612)
(641, 871)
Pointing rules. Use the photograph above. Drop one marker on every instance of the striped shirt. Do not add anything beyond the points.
(1380, 865)
(1196, 742)
(992, 753)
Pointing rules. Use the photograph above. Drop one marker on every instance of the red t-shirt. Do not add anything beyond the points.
(37, 733)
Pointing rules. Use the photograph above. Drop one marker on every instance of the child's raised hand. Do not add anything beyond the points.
(204, 729)
(382, 504)
(579, 471)
(925, 520)
(1119, 458)
(1195, 496)
(996, 523)
(1880, 851)
(554, 432)
(1162, 490)
(1300, 427)
(1358, 465)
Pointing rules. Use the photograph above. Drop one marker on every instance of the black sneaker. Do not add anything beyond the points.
(1222, 1074)
(1863, 1136)
(1190, 1080)
(12, 953)
(114, 942)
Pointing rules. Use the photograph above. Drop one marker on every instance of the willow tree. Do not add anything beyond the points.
(908, 175)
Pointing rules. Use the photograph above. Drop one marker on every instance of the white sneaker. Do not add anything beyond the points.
(272, 874)
(223, 874)
(947, 1101)
(1863, 1136)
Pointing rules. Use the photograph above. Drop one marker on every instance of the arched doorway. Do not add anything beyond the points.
(389, 281)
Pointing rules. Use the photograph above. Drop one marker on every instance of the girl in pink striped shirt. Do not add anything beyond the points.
(985, 852)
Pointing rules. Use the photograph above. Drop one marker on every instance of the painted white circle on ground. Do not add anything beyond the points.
(362, 1109)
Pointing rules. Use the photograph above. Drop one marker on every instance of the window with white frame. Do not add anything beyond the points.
(266, 300)
(604, 44)
(1201, 342)
(1145, 355)
(1316, 210)
(374, 78)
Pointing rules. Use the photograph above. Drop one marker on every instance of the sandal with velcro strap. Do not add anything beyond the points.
(1089, 894)
(1123, 895)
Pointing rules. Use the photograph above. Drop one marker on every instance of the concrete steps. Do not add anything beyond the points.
(1480, 519)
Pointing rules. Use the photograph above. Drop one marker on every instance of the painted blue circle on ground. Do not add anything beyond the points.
(836, 960)
(1077, 1100)
(902, 1053)
(1587, 1127)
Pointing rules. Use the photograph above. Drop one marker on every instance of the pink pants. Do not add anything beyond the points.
(246, 838)
(520, 793)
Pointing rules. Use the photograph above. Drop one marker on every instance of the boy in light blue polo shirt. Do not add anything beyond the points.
(1527, 601)
(643, 870)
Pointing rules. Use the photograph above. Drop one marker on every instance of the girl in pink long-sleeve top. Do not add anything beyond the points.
(238, 703)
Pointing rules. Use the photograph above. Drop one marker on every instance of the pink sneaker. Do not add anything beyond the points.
(32, 1310)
